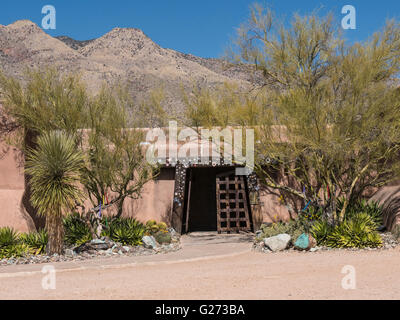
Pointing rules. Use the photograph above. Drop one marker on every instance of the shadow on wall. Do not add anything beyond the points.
(389, 198)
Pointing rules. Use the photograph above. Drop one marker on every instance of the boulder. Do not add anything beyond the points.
(94, 245)
(305, 242)
(149, 242)
(277, 243)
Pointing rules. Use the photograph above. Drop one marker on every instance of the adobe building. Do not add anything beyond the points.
(191, 193)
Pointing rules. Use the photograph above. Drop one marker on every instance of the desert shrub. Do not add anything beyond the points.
(35, 240)
(125, 230)
(77, 231)
(294, 228)
(8, 237)
(358, 231)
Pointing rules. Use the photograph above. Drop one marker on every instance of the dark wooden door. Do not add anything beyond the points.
(232, 204)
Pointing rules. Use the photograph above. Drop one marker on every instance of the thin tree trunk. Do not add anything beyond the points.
(55, 230)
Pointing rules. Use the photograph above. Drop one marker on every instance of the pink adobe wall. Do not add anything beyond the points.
(12, 213)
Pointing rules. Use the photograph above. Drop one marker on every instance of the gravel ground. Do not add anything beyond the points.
(118, 250)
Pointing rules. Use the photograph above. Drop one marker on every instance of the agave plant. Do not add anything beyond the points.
(8, 237)
(54, 167)
(35, 240)
(373, 209)
(356, 232)
(125, 230)
(16, 250)
(320, 230)
(76, 230)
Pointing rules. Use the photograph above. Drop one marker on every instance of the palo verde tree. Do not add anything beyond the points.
(46, 101)
(109, 138)
(327, 113)
(334, 107)
(116, 162)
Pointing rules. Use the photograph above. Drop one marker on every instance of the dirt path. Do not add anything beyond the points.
(248, 275)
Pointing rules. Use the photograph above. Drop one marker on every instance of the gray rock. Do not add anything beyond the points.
(69, 252)
(126, 248)
(277, 243)
(149, 242)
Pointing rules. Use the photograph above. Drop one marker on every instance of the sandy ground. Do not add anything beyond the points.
(240, 275)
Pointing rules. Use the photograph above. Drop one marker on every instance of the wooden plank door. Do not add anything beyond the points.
(232, 204)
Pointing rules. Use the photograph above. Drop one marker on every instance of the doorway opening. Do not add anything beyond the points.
(212, 206)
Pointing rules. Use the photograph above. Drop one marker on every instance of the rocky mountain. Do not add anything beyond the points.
(123, 54)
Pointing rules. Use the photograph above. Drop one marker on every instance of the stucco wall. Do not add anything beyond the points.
(11, 191)
(156, 199)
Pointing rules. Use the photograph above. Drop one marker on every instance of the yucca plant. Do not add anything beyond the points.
(54, 167)
(35, 240)
(8, 237)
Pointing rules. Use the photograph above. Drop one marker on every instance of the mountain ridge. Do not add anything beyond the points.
(124, 55)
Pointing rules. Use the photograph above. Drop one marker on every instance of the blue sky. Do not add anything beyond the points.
(200, 27)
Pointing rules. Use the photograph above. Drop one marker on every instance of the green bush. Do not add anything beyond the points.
(35, 240)
(76, 230)
(8, 237)
(125, 230)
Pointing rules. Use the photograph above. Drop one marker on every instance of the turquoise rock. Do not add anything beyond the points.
(302, 242)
